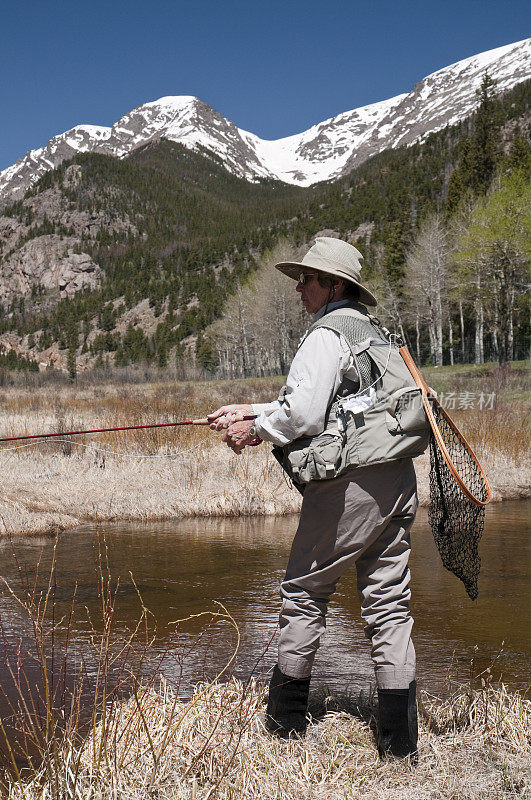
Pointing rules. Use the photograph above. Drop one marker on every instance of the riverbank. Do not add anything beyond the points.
(472, 747)
(159, 474)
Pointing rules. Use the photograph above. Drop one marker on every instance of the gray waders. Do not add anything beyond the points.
(359, 520)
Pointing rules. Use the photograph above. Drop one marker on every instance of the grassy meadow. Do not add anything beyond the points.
(162, 474)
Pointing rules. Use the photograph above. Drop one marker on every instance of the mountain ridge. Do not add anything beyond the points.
(136, 257)
(325, 151)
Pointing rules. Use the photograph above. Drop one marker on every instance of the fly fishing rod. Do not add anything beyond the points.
(202, 421)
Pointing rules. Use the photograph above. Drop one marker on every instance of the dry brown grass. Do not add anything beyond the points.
(161, 474)
(153, 746)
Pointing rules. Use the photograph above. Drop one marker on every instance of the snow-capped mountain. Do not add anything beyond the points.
(326, 150)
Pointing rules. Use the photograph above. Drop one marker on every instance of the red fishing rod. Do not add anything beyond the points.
(203, 421)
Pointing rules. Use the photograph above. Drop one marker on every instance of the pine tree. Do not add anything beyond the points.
(519, 156)
(395, 254)
(479, 154)
(205, 353)
(71, 363)
(485, 142)
(460, 179)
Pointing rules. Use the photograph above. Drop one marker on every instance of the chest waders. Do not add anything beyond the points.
(377, 419)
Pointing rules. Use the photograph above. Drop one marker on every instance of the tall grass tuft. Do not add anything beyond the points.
(66, 699)
(215, 745)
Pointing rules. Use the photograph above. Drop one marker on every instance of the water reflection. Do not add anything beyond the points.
(184, 568)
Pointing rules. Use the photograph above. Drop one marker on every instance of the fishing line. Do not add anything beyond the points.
(122, 453)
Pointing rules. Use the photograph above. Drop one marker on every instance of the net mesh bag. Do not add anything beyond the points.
(456, 521)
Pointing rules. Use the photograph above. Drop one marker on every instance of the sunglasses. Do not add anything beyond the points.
(305, 277)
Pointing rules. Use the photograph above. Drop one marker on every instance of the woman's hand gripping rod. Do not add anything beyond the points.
(237, 422)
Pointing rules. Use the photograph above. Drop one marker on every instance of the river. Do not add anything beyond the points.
(184, 568)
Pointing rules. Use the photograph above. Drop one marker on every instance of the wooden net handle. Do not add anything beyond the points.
(423, 386)
(412, 367)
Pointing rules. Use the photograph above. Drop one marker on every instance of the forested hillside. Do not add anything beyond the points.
(148, 252)
(445, 229)
(166, 226)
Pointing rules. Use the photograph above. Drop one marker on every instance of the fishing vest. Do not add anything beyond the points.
(376, 419)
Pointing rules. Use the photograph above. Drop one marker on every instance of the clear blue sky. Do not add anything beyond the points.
(273, 67)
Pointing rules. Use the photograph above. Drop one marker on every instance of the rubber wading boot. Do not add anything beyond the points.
(287, 705)
(397, 722)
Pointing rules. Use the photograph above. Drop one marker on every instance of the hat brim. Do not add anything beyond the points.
(294, 268)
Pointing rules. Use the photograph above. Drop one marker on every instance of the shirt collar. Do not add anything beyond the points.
(338, 304)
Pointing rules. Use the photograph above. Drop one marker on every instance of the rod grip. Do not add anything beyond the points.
(239, 418)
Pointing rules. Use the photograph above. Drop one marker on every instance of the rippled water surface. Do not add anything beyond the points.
(184, 568)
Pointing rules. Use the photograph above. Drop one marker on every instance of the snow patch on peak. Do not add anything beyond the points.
(93, 130)
(368, 112)
(321, 152)
(177, 101)
(483, 60)
(84, 137)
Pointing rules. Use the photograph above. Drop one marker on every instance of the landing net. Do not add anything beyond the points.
(459, 490)
(456, 520)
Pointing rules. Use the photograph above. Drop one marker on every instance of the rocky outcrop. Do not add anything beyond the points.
(50, 262)
(53, 205)
(53, 261)
(11, 230)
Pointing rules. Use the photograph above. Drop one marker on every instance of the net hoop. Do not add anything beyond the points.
(428, 398)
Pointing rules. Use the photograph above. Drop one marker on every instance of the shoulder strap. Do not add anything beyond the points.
(354, 322)
(355, 325)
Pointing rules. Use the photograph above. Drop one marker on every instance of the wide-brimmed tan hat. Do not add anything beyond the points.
(335, 257)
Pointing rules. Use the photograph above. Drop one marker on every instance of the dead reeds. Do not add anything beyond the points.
(75, 702)
(162, 474)
(215, 745)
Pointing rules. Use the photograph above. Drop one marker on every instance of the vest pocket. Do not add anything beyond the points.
(405, 411)
(313, 459)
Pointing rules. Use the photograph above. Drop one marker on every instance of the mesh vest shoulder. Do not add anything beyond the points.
(380, 419)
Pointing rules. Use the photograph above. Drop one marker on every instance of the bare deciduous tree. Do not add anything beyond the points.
(494, 248)
(262, 323)
(427, 268)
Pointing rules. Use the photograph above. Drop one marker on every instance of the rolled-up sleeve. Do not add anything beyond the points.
(314, 377)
